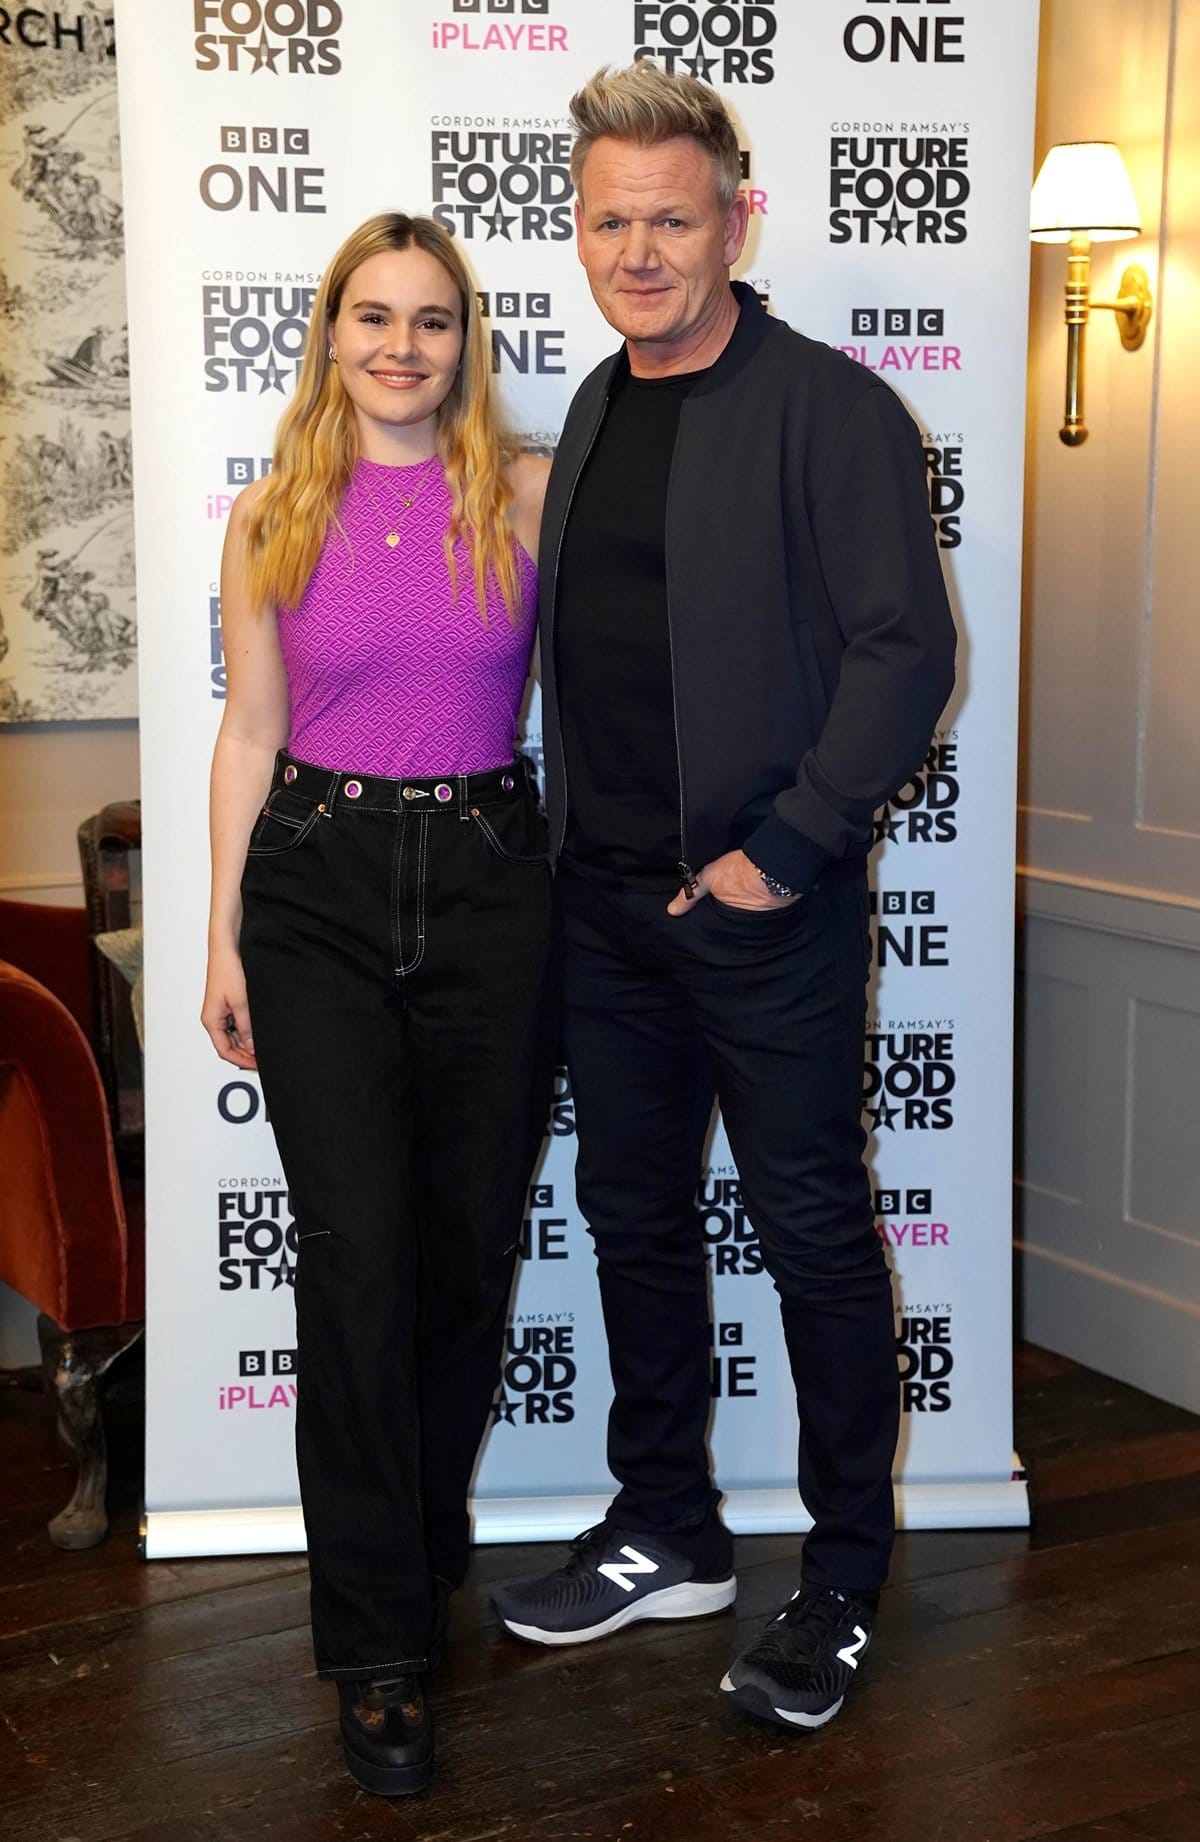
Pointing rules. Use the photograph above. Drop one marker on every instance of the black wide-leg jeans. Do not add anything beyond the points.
(767, 1011)
(395, 941)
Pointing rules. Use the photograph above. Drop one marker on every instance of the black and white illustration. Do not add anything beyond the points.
(67, 621)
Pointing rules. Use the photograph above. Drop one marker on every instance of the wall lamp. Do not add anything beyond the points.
(1083, 195)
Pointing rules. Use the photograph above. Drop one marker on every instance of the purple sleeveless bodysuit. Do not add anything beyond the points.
(387, 673)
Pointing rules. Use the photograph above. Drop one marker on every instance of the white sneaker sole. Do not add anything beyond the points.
(754, 1700)
(690, 1599)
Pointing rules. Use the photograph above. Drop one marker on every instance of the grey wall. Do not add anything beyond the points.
(51, 776)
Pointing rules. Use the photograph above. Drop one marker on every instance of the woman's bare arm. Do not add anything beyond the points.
(253, 727)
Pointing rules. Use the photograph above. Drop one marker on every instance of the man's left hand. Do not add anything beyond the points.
(734, 880)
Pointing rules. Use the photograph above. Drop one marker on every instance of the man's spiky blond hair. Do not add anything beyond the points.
(645, 105)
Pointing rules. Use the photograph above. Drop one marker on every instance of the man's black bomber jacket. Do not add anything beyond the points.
(812, 642)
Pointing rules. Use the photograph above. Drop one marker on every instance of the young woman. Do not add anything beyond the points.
(379, 934)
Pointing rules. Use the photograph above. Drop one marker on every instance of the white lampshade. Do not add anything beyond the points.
(1083, 186)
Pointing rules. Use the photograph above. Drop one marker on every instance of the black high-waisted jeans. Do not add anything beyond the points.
(395, 941)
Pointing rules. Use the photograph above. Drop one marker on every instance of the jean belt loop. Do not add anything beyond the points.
(464, 811)
(331, 795)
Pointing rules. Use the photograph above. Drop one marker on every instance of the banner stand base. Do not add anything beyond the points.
(998, 1503)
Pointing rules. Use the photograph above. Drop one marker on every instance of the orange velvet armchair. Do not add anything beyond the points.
(71, 1227)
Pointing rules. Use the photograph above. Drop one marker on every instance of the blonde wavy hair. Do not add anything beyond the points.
(646, 105)
(316, 444)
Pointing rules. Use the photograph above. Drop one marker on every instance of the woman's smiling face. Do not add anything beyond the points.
(398, 337)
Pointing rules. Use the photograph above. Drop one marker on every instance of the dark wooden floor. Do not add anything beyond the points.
(1018, 1686)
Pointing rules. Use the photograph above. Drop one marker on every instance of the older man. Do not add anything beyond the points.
(745, 646)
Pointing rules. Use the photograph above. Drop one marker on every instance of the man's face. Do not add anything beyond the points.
(655, 243)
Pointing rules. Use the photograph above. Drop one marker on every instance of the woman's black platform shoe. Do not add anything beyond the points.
(387, 1735)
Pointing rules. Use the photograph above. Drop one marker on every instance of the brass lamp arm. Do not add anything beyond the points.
(1133, 307)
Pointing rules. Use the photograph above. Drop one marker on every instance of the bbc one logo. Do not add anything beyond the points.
(904, 187)
(712, 39)
(909, 1076)
(902, 34)
(256, 1238)
(523, 341)
(731, 1242)
(239, 1103)
(905, 1218)
(925, 809)
(488, 181)
(947, 486)
(901, 339)
(263, 169)
(286, 37)
(925, 1357)
(543, 1236)
(734, 1368)
(537, 1386)
(906, 933)
(476, 25)
(254, 335)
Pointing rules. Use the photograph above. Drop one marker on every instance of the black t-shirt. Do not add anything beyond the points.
(613, 647)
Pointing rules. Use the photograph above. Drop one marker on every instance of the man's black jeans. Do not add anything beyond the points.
(395, 942)
(766, 1010)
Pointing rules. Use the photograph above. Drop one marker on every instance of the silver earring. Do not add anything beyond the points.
(332, 355)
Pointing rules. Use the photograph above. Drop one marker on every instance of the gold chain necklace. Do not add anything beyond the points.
(393, 535)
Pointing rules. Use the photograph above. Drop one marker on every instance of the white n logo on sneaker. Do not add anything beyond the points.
(635, 1563)
(849, 1652)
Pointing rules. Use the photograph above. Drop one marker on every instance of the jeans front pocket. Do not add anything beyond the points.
(511, 831)
(285, 821)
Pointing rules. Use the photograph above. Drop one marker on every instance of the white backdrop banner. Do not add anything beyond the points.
(887, 159)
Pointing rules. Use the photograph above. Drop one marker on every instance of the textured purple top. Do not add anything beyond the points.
(387, 674)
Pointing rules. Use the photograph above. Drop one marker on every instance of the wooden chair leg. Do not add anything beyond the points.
(73, 1362)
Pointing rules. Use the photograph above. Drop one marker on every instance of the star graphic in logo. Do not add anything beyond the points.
(272, 376)
(265, 53)
(503, 1409)
(894, 227)
(700, 66)
(498, 224)
(887, 827)
(882, 1115)
(284, 1274)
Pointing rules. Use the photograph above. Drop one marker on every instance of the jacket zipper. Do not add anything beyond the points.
(562, 533)
(684, 867)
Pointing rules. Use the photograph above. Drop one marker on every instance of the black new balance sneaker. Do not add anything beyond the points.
(797, 1671)
(614, 1577)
